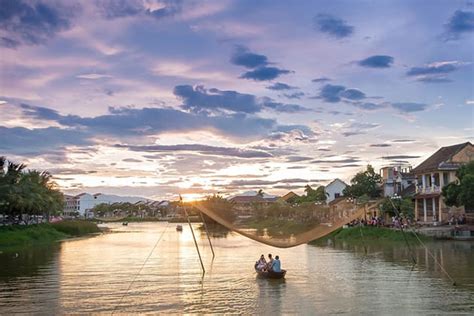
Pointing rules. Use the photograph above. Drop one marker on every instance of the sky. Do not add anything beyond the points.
(159, 98)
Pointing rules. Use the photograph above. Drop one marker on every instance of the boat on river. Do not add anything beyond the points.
(125, 223)
(270, 274)
(179, 228)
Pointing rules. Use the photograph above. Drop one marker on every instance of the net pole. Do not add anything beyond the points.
(207, 233)
(195, 242)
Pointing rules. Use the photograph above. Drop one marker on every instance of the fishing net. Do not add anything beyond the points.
(279, 223)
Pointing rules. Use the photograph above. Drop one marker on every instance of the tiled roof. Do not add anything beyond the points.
(441, 159)
(247, 199)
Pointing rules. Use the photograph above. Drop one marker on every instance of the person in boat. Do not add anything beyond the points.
(270, 262)
(276, 264)
(261, 264)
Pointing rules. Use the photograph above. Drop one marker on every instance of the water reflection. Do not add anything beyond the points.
(95, 275)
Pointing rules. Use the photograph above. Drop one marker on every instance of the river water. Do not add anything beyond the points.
(106, 274)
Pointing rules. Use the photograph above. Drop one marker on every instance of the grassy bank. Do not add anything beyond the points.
(24, 236)
(368, 234)
(277, 226)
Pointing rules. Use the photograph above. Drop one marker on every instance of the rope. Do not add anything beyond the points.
(403, 232)
(426, 248)
(141, 268)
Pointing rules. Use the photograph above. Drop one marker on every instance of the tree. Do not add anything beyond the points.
(318, 195)
(404, 206)
(461, 192)
(29, 192)
(365, 183)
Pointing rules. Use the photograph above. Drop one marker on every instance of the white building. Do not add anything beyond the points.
(395, 179)
(85, 202)
(335, 189)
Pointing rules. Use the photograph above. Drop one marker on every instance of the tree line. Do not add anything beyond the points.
(27, 192)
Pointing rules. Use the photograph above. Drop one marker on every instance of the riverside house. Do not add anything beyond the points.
(432, 175)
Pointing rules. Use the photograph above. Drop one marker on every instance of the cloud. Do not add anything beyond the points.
(24, 141)
(434, 72)
(259, 182)
(409, 107)
(113, 9)
(377, 61)
(264, 73)
(199, 99)
(131, 160)
(243, 57)
(403, 141)
(398, 157)
(460, 23)
(352, 94)
(295, 95)
(380, 145)
(297, 158)
(334, 93)
(369, 106)
(333, 26)
(131, 122)
(282, 107)
(320, 80)
(280, 86)
(202, 149)
(335, 161)
(32, 22)
(93, 76)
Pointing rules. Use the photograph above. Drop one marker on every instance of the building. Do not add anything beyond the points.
(432, 175)
(289, 198)
(395, 179)
(334, 189)
(83, 203)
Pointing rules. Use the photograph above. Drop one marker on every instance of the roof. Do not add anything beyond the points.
(337, 179)
(248, 199)
(441, 160)
(289, 195)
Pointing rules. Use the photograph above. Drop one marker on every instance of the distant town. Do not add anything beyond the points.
(421, 187)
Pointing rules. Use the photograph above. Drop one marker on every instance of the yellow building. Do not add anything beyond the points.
(432, 175)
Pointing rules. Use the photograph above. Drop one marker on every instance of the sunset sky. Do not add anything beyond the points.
(156, 98)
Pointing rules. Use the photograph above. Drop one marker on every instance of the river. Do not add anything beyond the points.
(100, 275)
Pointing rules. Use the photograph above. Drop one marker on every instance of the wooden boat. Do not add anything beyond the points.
(179, 228)
(125, 223)
(270, 274)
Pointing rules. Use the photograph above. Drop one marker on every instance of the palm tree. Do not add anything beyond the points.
(260, 193)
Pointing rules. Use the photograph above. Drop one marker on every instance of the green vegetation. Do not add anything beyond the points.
(318, 195)
(405, 207)
(364, 184)
(367, 235)
(279, 227)
(461, 192)
(23, 236)
(28, 192)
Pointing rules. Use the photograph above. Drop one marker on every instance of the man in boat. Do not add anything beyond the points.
(276, 264)
(270, 262)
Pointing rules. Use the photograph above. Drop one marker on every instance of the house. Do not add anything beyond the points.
(395, 179)
(289, 198)
(334, 189)
(432, 175)
(245, 204)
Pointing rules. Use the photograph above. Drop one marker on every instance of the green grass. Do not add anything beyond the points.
(368, 234)
(24, 236)
(277, 226)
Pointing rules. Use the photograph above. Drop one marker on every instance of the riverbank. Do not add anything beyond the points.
(369, 234)
(12, 237)
(275, 226)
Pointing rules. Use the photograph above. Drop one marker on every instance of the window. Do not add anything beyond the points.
(336, 195)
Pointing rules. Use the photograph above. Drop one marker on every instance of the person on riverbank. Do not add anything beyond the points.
(261, 263)
(276, 264)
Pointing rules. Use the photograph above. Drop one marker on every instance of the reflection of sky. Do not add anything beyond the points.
(158, 97)
(101, 274)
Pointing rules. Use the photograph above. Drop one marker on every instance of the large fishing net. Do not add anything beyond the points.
(280, 223)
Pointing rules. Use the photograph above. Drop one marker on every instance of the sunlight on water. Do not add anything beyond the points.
(92, 275)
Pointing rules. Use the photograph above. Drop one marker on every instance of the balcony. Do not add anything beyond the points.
(428, 190)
